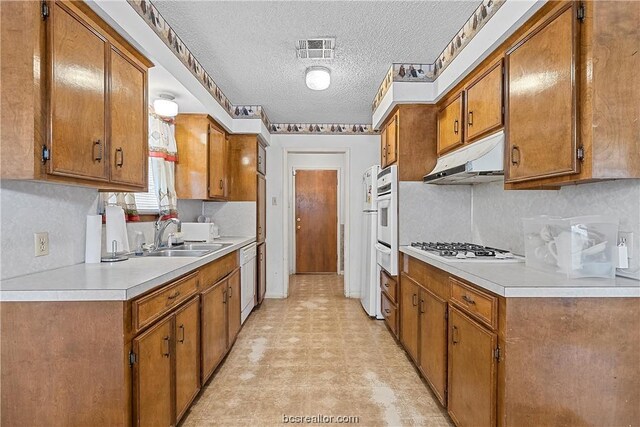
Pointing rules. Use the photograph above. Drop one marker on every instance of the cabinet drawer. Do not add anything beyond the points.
(211, 273)
(482, 306)
(388, 285)
(389, 311)
(153, 306)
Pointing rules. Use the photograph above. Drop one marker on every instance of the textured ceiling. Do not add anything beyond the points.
(248, 48)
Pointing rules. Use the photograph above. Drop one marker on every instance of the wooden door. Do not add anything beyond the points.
(383, 148)
(262, 272)
(234, 306)
(262, 208)
(217, 162)
(541, 100)
(472, 372)
(187, 340)
(433, 342)
(316, 221)
(152, 374)
(262, 159)
(128, 112)
(78, 96)
(214, 327)
(450, 126)
(391, 133)
(483, 98)
(409, 296)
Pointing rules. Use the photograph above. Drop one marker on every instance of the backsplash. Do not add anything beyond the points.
(497, 214)
(29, 207)
(233, 218)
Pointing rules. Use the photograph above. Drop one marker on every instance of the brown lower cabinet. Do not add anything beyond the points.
(432, 360)
(234, 306)
(214, 330)
(409, 293)
(262, 272)
(187, 345)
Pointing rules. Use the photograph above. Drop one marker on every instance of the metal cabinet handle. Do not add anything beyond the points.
(181, 340)
(260, 160)
(415, 300)
(470, 120)
(454, 335)
(468, 300)
(261, 257)
(224, 297)
(166, 341)
(455, 126)
(97, 157)
(386, 310)
(421, 306)
(221, 184)
(119, 157)
(260, 230)
(230, 292)
(515, 155)
(174, 295)
(386, 285)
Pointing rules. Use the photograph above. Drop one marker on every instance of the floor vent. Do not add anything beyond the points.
(322, 48)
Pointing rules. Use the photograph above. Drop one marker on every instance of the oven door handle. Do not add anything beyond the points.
(383, 248)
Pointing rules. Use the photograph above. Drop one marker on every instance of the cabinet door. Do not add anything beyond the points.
(262, 208)
(78, 96)
(217, 163)
(392, 140)
(214, 327)
(262, 272)
(433, 342)
(187, 339)
(152, 375)
(262, 159)
(234, 306)
(472, 372)
(450, 126)
(409, 296)
(383, 148)
(128, 111)
(483, 98)
(541, 101)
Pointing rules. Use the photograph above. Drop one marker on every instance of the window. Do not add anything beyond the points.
(147, 203)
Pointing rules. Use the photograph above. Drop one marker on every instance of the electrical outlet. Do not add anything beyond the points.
(274, 201)
(41, 242)
(628, 237)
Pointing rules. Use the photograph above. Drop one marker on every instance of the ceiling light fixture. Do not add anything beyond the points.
(318, 78)
(165, 105)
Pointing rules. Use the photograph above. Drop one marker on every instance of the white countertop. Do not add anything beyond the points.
(517, 280)
(119, 281)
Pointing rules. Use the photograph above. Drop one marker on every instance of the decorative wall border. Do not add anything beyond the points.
(322, 128)
(400, 72)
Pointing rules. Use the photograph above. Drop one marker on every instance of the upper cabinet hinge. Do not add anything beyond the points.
(46, 154)
(496, 353)
(446, 314)
(45, 10)
(580, 153)
(580, 13)
(132, 358)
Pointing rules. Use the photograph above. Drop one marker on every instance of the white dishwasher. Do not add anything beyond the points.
(248, 278)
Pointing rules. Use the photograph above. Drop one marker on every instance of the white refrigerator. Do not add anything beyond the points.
(370, 288)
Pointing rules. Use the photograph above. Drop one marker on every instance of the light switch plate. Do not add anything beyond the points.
(41, 243)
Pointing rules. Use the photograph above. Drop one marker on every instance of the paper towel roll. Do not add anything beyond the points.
(92, 251)
(116, 229)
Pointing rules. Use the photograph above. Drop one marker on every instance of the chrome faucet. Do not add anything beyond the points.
(160, 226)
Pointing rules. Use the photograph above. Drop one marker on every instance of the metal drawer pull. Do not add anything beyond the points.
(119, 157)
(470, 120)
(415, 300)
(174, 295)
(97, 157)
(166, 341)
(454, 335)
(468, 300)
(515, 155)
(181, 340)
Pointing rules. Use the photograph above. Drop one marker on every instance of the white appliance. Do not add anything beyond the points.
(370, 289)
(387, 245)
(200, 231)
(248, 279)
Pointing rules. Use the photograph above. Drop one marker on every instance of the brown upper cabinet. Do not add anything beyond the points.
(408, 140)
(483, 103)
(262, 209)
(262, 158)
(571, 97)
(82, 117)
(450, 125)
(202, 149)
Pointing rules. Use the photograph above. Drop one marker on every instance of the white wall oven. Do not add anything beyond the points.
(387, 246)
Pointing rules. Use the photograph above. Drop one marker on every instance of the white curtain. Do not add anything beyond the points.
(163, 152)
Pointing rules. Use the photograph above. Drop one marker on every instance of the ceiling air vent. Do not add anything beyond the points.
(316, 48)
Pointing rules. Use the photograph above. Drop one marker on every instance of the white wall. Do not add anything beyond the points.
(233, 218)
(317, 161)
(362, 152)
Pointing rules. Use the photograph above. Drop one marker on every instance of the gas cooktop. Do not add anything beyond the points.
(457, 251)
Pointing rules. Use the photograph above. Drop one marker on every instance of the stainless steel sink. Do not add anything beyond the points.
(203, 246)
(180, 253)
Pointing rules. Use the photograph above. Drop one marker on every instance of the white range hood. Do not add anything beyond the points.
(481, 161)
